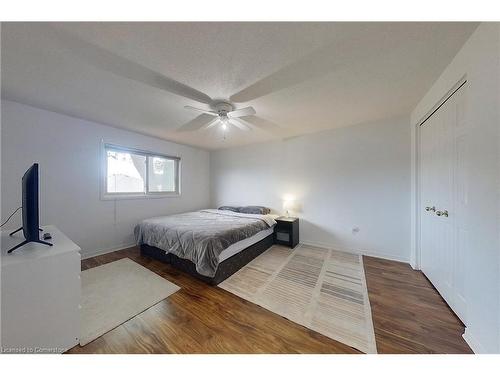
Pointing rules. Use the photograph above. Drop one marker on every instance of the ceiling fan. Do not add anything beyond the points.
(220, 112)
(223, 114)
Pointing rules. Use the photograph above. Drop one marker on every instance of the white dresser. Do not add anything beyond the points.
(40, 295)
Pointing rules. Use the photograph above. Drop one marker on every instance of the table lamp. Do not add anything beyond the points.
(288, 205)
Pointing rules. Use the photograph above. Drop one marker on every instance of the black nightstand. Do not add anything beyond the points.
(286, 231)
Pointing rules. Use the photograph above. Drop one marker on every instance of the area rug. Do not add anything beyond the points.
(116, 292)
(321, 289)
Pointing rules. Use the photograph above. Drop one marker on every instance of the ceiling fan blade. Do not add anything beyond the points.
(212, 124)
(196, 123)
(240, 125)
(191, 108)
(263, 124)
(328, 58)
(247, 111)
(120, 66)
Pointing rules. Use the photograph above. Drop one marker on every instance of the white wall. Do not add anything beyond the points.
(68, 150)
(358, 176)
(479, 59)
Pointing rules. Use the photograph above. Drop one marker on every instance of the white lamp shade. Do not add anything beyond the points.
(288, 204)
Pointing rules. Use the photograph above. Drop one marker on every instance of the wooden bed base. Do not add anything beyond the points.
(225, 269)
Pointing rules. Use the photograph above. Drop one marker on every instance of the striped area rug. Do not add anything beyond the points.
(321, 289)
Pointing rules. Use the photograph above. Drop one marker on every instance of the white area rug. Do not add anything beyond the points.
(321, 289)
(116, 292)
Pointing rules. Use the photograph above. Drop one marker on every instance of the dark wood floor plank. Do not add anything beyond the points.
(409, 316)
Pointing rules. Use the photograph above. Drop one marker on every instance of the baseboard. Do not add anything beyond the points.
(92, 254)
(414, 265)
(95, 253)
(473, 343)
(356, 251)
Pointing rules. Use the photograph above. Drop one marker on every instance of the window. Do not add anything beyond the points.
(135, 173)
(161, 173)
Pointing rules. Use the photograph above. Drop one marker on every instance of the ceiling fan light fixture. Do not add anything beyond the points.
(222, 113)
(224, 121)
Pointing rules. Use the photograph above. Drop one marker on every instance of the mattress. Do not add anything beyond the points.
(236, 247)
(202, 236)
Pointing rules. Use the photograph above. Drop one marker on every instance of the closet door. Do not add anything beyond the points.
(443, 197)
(461, 200)
(429, 256)
(436, 240)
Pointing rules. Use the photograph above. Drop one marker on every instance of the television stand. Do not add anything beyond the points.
(28, 241)
(17, 230)
(40, 295)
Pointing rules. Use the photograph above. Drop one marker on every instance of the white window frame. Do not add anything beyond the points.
(105, 195)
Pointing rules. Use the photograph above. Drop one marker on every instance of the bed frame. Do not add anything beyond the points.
(226, 268)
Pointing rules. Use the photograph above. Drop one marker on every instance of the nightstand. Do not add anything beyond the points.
(286, 231)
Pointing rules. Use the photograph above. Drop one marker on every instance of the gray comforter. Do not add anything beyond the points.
(200, 236)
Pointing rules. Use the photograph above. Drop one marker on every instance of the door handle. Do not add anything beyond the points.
(433, 208)
(442, 213)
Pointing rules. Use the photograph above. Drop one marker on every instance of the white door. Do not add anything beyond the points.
(460, 196)
(443, 197)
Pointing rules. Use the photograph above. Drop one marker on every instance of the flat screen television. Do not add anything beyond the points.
(30, 228)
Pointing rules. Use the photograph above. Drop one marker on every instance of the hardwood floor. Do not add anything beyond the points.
(409, 316)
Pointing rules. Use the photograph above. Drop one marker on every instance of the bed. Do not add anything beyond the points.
(208, 244)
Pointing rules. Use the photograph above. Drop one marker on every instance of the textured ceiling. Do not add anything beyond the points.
(299, 77)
